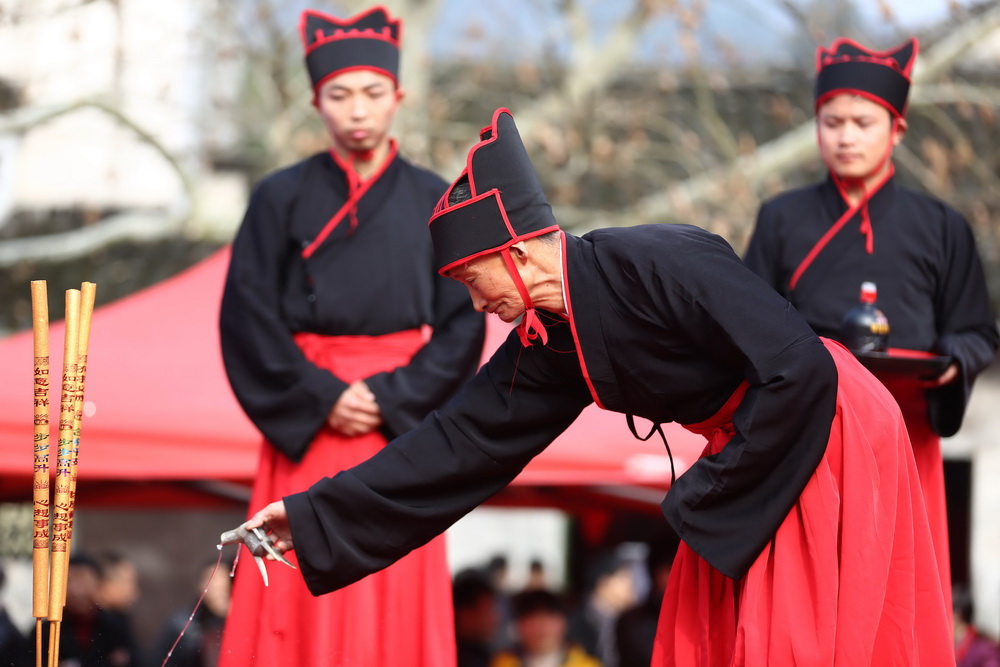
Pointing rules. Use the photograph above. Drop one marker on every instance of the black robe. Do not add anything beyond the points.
(377, 279)
(670, 323)
(930, 280)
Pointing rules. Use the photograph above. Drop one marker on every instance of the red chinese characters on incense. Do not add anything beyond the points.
(40, 481)
(53, 531)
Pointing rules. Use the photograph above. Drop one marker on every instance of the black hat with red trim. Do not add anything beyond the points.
(369, 40)
(881, 76)
(507, 203)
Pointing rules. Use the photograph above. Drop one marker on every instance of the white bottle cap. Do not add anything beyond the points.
(868, 292)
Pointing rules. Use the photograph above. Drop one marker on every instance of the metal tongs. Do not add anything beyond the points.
(258, 543)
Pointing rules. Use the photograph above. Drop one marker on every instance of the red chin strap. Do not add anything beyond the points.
(356, 185)
(861, 205)
(531, 327)
(354, 182)
(866, 195)
(356, 189)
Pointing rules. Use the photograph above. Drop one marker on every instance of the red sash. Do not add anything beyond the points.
(401, 615)
(721, 423)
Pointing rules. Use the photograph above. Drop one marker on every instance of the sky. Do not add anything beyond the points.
(758, 29)
(916, 14)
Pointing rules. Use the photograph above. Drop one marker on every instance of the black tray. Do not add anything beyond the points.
(904, 362)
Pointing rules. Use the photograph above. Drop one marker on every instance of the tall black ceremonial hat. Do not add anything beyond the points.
(881, 76)
(369, 40)
(507, 203)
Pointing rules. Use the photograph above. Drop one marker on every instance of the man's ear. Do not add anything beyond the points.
(901, 127)
(519, 251)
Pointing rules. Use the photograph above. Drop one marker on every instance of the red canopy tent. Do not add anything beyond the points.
(161, 423)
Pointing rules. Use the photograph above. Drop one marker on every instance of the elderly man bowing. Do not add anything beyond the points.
(805, 538)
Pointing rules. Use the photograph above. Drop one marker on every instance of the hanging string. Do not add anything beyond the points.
(196, 606)
(656, 429)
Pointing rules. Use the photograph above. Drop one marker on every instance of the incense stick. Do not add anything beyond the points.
(40, 476)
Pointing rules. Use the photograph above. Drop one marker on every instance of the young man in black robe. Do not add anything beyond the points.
(804, 536)
(338, 333)
(816, 245)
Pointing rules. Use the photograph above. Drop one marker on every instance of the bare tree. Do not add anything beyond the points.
(619, 136)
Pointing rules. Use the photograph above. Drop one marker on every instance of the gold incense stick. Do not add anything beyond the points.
(62, 514)
(40, 481)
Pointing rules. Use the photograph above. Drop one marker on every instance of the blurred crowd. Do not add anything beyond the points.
(611, 622)
(608, 621)
(97, 629)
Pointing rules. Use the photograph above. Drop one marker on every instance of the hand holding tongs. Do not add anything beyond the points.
(258, 543)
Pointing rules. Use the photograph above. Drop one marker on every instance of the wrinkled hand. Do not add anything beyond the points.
(273, 520)
(355, 412)
(949, 375)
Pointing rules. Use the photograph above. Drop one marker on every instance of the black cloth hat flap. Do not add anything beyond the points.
(507, 203)
(369, 40)
(882, 76)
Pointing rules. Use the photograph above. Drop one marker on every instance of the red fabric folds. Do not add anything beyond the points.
(930, 469)
(850, 578)
(399, 616)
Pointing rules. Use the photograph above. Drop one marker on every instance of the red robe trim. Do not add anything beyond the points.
(399, 616)
(850, 578)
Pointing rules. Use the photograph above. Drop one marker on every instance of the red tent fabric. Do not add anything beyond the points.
(158, 408)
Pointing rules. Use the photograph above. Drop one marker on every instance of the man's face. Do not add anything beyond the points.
(82, 585)
(541, 632)
(480, 621)
(357, 108)
(855, 135)
(490, 286)
(617, 590)
(120, 588)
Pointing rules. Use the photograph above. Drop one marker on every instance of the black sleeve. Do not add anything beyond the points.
(762, 250)
(966, 325)
(286, 396)
(728, 505)
(366, 518)
(407, 394)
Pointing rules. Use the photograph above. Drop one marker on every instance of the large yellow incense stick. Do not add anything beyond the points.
(40, 482)
(88, 292)
(62, 514)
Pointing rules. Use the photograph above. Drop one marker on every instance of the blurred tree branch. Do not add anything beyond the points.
(26, 118)
(785, 153)
(592, 116)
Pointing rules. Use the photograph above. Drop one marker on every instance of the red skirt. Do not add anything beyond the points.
(930, 470)
(399, 616)
(850, 577)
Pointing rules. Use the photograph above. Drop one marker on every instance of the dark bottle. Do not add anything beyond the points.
(865, 327)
